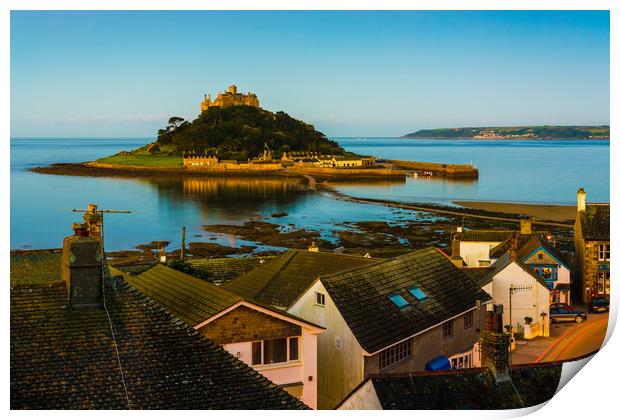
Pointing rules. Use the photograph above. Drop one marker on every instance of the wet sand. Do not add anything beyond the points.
(556, 213)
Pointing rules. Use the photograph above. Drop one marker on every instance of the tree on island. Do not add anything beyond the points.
(241, 133)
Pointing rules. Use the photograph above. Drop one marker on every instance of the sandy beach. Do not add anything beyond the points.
(552, 212)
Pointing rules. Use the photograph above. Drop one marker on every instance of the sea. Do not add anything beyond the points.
(528, 171)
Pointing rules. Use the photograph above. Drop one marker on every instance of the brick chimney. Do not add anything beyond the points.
(82, 267)
(494, 346)
(581, 199)
(92, 217)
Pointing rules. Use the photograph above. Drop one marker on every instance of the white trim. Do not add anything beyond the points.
(314, 329)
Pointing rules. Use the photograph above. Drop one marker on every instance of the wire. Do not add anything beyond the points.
(118, 357)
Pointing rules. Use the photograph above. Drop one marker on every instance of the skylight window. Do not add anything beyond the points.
(417, 293)
(398, 300)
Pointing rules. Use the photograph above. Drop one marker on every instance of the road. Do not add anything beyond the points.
(585, 338)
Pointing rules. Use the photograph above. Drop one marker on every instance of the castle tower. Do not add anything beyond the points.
(232, 89)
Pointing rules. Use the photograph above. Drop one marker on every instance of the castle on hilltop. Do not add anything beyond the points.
(229, 98)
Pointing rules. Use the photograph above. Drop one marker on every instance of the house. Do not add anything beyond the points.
(462, 389)
(480, 248)
(280, 346)
(281, 281)
(114, 347)
(549, 263)
(592, 249)
(495, 385)
(522, 292)
(396, 315)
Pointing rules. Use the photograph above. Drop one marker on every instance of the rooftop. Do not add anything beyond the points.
(282, 280)
(595, 221)
(467, 389)
(65, 358)
(362, 296)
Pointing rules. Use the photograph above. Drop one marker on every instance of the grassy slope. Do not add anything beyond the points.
(143, 159)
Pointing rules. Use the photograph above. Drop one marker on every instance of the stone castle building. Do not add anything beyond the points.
(230, 98)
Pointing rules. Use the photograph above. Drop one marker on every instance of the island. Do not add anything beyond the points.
(545, 132)
(234, 136)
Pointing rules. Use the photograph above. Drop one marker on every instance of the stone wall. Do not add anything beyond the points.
(244, 324)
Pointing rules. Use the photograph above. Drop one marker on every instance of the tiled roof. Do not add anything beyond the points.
(484, 235)
(595, 222)
(191, 299)
(40, 268)
(64, 358)
(362, 296)
(467, 389)
(281, 281)
(502, 248)
(220, 270)
(478, 274)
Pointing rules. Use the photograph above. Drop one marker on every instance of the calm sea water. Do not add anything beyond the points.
(526, 171)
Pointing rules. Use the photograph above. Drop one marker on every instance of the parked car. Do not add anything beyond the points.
(561, 305)
(599, 304)
(564, 315)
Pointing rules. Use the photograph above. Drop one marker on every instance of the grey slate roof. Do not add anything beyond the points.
(361, 296)
(189, 298)
(467, 389)
(595, 222)
(281, 281)
(64, 358)
(478, 274)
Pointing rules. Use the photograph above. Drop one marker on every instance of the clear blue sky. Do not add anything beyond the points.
(108, 74)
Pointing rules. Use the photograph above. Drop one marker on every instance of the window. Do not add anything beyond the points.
(417, 293)
(319, 298)
(398, 300)
(447, 329)
(279, 350)
(602, 284)
(293, 346)
(394, 354)
(468, 319)
(604, 252)
(256, 353)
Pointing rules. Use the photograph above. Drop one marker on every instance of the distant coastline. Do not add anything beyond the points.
(515, 133)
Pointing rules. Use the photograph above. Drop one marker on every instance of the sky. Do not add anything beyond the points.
(361, 74)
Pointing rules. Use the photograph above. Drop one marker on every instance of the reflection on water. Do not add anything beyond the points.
(534, 171)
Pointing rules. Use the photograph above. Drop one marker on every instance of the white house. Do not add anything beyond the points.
(522, 292)
(410, 313)
(481, 248)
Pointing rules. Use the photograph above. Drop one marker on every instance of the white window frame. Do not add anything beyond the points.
(395, 354)
(319, 299)
(288, 352)
(604, 252)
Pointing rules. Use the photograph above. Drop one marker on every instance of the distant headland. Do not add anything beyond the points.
(544, 132)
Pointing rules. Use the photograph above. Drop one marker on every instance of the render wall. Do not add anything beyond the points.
(471, 252)
(429, 345)
(529, 303)
(341, 369)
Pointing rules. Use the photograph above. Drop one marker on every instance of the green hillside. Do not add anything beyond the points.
(240, 133)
